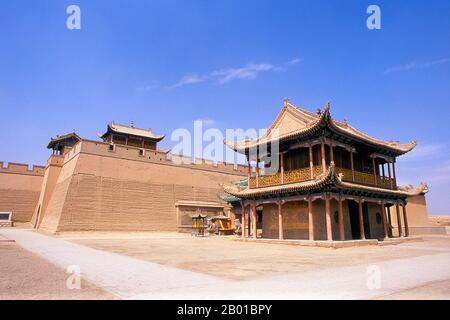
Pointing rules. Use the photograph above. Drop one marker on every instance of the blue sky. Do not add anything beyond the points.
(164, 64)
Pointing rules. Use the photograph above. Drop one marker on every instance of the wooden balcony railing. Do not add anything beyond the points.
(366, 178)
(304, 174)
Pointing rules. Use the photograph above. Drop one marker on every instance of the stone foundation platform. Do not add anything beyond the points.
(334, 244)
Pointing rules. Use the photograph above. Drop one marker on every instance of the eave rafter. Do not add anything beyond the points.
(309, 125)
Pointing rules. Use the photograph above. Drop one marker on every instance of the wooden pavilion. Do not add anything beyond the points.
(333, 182)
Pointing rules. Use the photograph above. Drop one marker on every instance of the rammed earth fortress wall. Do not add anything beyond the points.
(100, 188)
(19, 189)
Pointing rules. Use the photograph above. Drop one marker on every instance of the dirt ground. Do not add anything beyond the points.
(25, 275)
(224, 257)
(439, 290)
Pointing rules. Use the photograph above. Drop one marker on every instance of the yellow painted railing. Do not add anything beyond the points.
(365, 178)
(304, 174)
(298, 175)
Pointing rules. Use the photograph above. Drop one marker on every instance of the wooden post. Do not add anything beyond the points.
(399, 222)
(374, 171)
(383, 219)
(405, 220)
(361, 220)
(243, 219)
(394, 175)
(322, 153)
(257, 173)
(389, 220)
(341, 220)
(254, 221)
(328, 218)
(310, 220)
(331, 152)
(311, 162)
(282, 167)
(280, 222)
(249, 174)
(390, 177)
(352, 166)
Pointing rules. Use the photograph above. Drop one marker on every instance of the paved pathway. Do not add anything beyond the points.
(131, 278)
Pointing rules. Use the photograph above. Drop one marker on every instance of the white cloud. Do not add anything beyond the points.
(150, 86)
(207, 122)
(250, 71)
(223, 76)
(424, 151)
(416, 65)
(294, 61)
(189, 79)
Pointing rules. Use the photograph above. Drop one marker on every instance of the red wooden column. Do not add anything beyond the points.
(280, 222)
(389, 220)
(311, 162)
(254, 221)
(282, 167)
(243, 219)
(249, 174)
(310, 220)
(390, 176)
(405, 220)
(322, 154)
(399, 222)
(331, 152)
(341, 220)
(383, 219)
(352, 166)
(257, 173)
(394, 175)
(328, 218)
(374, 171)
(361, 220)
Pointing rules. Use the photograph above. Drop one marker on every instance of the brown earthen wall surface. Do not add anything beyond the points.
(102, 190)
(19, 190)
(51, 175)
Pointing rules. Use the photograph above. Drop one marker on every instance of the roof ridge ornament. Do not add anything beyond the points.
(286, 102)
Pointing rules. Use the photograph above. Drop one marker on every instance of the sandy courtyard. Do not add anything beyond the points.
(172, 265)
(225, 257)
(25, 275)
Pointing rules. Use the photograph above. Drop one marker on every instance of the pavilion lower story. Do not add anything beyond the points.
(327, 216)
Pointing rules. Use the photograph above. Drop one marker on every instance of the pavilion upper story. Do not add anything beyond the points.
(308, 143)
(131, 136)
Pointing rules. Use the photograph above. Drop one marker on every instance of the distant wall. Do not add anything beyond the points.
(418, 220)
(19, 189)
(100, 188)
